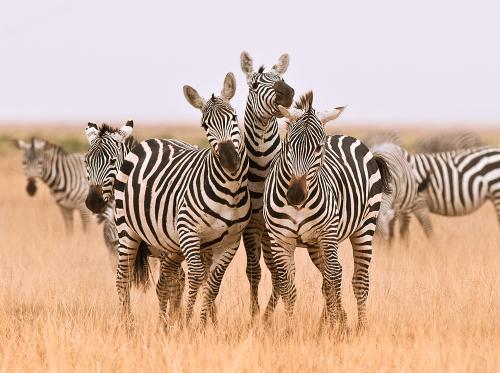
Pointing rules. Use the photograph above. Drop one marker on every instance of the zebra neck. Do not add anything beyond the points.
(216, 175)
(54, 167)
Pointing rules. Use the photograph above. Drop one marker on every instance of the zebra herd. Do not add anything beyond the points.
(171, 200)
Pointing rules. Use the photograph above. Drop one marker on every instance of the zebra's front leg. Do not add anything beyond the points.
(269, 260)
(252, 236)
(190, 247)
(283, 256)
(404, 224)
(216, 273)
(168, 286)
(362, 255)
(67, 214)
(127, 252)
(85, 217)
(332, 280)
(422, 212)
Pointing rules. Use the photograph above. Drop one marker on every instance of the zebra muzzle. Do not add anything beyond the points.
(95, 202)
(31, 187)
(228, 156)
(297, 191)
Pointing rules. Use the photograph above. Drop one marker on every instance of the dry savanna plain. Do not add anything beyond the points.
(433, 305)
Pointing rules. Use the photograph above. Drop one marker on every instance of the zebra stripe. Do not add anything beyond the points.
(460, 182)
(188, 203)
(321, 190)
(267, 90)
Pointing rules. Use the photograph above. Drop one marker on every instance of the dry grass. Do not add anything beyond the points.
(432, 306)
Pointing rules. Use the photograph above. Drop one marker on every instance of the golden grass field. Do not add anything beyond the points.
(434, 306)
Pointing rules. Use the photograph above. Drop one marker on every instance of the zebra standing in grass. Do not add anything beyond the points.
(321, 190)
(448, 141)
(400, 203)
(189, 203)
(267, 90)
(65, 175)
(460, 182)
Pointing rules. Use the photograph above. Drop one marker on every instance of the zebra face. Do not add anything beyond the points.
(303, 146)
(220, 123)
(267, 90)
(33, 161)
(108, 147)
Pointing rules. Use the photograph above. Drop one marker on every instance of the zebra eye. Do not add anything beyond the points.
(319, 147)
(112, 161)
(255, 85)
(235, 117)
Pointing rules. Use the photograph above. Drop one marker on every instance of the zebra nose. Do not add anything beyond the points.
(31, 187)
(297, 191)
(95, 202)
(284, 94)
(229, 158)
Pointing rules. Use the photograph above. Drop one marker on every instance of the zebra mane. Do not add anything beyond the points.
(106, 128)
(305, 101)
(261, 69)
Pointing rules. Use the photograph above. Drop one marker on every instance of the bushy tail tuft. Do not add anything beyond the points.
(385, 174)
(141, 275)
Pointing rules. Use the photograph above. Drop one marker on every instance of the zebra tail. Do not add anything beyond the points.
(141, 274)
(423, 185)
(385, 174)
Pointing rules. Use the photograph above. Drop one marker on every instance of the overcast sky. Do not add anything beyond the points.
(390, 60)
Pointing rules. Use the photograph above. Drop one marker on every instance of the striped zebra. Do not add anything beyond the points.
(460, 182)
(448, 141)
(108, 148)
(65, 175)
(321, 190)
(400, 203)
(189, 203)
(267, 90)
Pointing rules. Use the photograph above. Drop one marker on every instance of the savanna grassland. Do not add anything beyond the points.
(433, 306)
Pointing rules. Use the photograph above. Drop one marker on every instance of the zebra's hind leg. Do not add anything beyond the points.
(252, 236)
(169, 287)
(127, 253)
(68, 218)
(216, 273)
(190, 246)
(404, 227)
(361, 243)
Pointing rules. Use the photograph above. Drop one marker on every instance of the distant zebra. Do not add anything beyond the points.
(189, 203)
(321, 190)
(460, 182)
(448, 141)
(267, 90)
(65, 175)
(400, 203)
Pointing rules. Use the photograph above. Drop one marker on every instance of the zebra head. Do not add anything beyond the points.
(108, 148)
(33, 161)
(303, 146)
(267, 90)
(220, 123)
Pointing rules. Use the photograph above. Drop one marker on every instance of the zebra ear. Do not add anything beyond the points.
(20, 144)
(246, 63)
(125, 131)
(38, 144)
(282, 65)
(329, 115)
(292, 113)
(193, 97)
(229, 87)
(91, 132)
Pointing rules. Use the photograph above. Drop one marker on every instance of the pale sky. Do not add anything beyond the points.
(389, 60)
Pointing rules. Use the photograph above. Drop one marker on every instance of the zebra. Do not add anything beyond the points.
(189, 203)
(400, 203)
(450, 141)
(321, 190)
(108, 148)
(267, 90)
(459, 182)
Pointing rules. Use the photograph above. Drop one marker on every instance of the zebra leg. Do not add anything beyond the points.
(332, 280)
(404, 226)
(252, 236)
(268, 259)
(68, 218)
(422, 214)
(85, 216)
(169, 287)
(362, 254)
(190, 246)
(318, 259)
(392, 226)
(127, 252)
(216, 273)
(283, 256)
